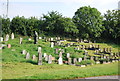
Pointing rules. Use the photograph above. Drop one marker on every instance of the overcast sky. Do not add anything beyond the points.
(67, 8)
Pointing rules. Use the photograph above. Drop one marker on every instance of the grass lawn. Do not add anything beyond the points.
(54, 71)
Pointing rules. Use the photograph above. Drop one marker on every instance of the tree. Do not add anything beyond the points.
(112, 25)
(89, 22)
(32, 25)
(6, 26)
(66, 27)
(18, 25)
(50, 20)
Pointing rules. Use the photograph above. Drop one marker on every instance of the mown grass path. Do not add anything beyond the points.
(54, 71)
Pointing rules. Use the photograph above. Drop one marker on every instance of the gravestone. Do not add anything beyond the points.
(7, 37)
(86, 52)
(56, 50)
(20, 40)
(12, 36)
(52, 44)
(60, 61)
(39, 56)
(28, 56)
(39, 49)
(45, 54)
(60, 54)
(74, 60)
(110, 50)
(46, 57)
(69, 61)
(68, 55)
(62, 50)
(24, 52)
(79, 59)
(29, 39)
(51, 39)
(35, 38)
(1, 39)
(40, 37)
(49, 59)
(9, 45)
(91, 58)
(58, 38)
(34, 57)
(85, 57)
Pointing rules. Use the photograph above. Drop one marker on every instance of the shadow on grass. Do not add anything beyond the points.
(32, 62)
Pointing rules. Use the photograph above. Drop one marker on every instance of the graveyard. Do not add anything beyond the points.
(40, 57)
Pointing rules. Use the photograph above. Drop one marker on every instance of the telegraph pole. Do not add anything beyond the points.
(7, 8)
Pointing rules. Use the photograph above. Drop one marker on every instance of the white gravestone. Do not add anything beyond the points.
(20, 40)
(52, 44)
(1, 39)
(7, 37)
(60, 61)
(79, 59)
(12, 36)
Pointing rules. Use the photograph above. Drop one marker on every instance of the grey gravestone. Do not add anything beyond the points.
(34, 57)
(28, 56)
(20, 40)
(24, 52)
(60, 54)
(85, 57)
(74, 60)
(91, 58)
(52, 44)
(110, 50)
(35, 38)
(12, 36)
(69, 61)
(56, 50)
(39, 56)
(7, 37)
(79, 59)
(49, 59)
(1, 39)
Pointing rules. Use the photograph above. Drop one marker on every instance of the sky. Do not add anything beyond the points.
(67, 8)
